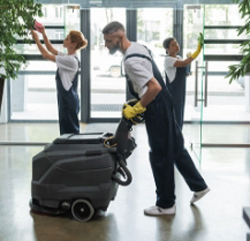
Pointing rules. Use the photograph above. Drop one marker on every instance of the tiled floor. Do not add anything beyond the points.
(217, 217)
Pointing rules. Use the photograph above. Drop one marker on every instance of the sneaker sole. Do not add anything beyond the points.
(159, 214)
(200, 196)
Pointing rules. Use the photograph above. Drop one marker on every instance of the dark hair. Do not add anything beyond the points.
(167, 42)
(113, 27)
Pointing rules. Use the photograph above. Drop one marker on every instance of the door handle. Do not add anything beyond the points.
(196, 85)
(196, 82)
(205, 85)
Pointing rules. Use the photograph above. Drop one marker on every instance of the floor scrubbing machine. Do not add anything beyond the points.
(80, 174)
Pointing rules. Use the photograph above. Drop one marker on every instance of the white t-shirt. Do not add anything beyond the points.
(138, 69)
(169, 67)
(68, 66)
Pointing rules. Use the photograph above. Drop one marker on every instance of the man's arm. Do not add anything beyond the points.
(153, 90)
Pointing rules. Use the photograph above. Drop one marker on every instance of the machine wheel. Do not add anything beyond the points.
(115, 71)
(82, 210)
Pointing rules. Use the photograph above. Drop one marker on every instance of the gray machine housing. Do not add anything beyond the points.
(81, 167)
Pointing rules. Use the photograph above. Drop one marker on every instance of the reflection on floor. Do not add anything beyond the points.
(217, 217)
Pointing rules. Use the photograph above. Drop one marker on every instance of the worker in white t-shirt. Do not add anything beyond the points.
(164, 135)
(176, 70)
(66, 77)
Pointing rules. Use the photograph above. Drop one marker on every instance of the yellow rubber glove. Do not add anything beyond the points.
(189, 54)
(130, 112)
(201, 39)
(199, 47)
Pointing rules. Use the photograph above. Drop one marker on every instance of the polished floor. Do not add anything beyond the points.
(217, 217)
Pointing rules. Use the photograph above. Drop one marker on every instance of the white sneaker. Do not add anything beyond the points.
(198, 195)
(157, 211)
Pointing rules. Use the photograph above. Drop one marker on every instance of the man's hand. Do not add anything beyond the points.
(130, 112)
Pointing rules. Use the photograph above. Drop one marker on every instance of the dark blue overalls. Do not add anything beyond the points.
(178, 90)
(68, 105)
(167, 144)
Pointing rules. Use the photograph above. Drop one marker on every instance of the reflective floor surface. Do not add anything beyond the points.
(216, 217)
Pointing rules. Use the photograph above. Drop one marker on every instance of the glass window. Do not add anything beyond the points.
(59, 12)
(222, 15)
(107, 85)
(153, 26)
(33, 94)
(45, 14)
(226, 102)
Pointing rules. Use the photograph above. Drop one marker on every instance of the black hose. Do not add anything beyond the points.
(124, 171)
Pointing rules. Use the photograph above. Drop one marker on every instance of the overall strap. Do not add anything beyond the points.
(75, 80)
(156, 71)
(79, 63)
(130, 85)
(138, 55)
(166, 76)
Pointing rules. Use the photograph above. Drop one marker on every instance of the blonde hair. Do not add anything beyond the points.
(78, 38)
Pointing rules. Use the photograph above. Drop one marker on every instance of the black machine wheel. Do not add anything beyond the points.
(82, 210)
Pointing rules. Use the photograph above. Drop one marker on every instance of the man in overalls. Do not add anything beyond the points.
(165, 137)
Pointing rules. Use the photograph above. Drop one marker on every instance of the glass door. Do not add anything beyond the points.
(226, 102)
(108, 86)
(153, 26)
(33, 94)
(192, 26)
